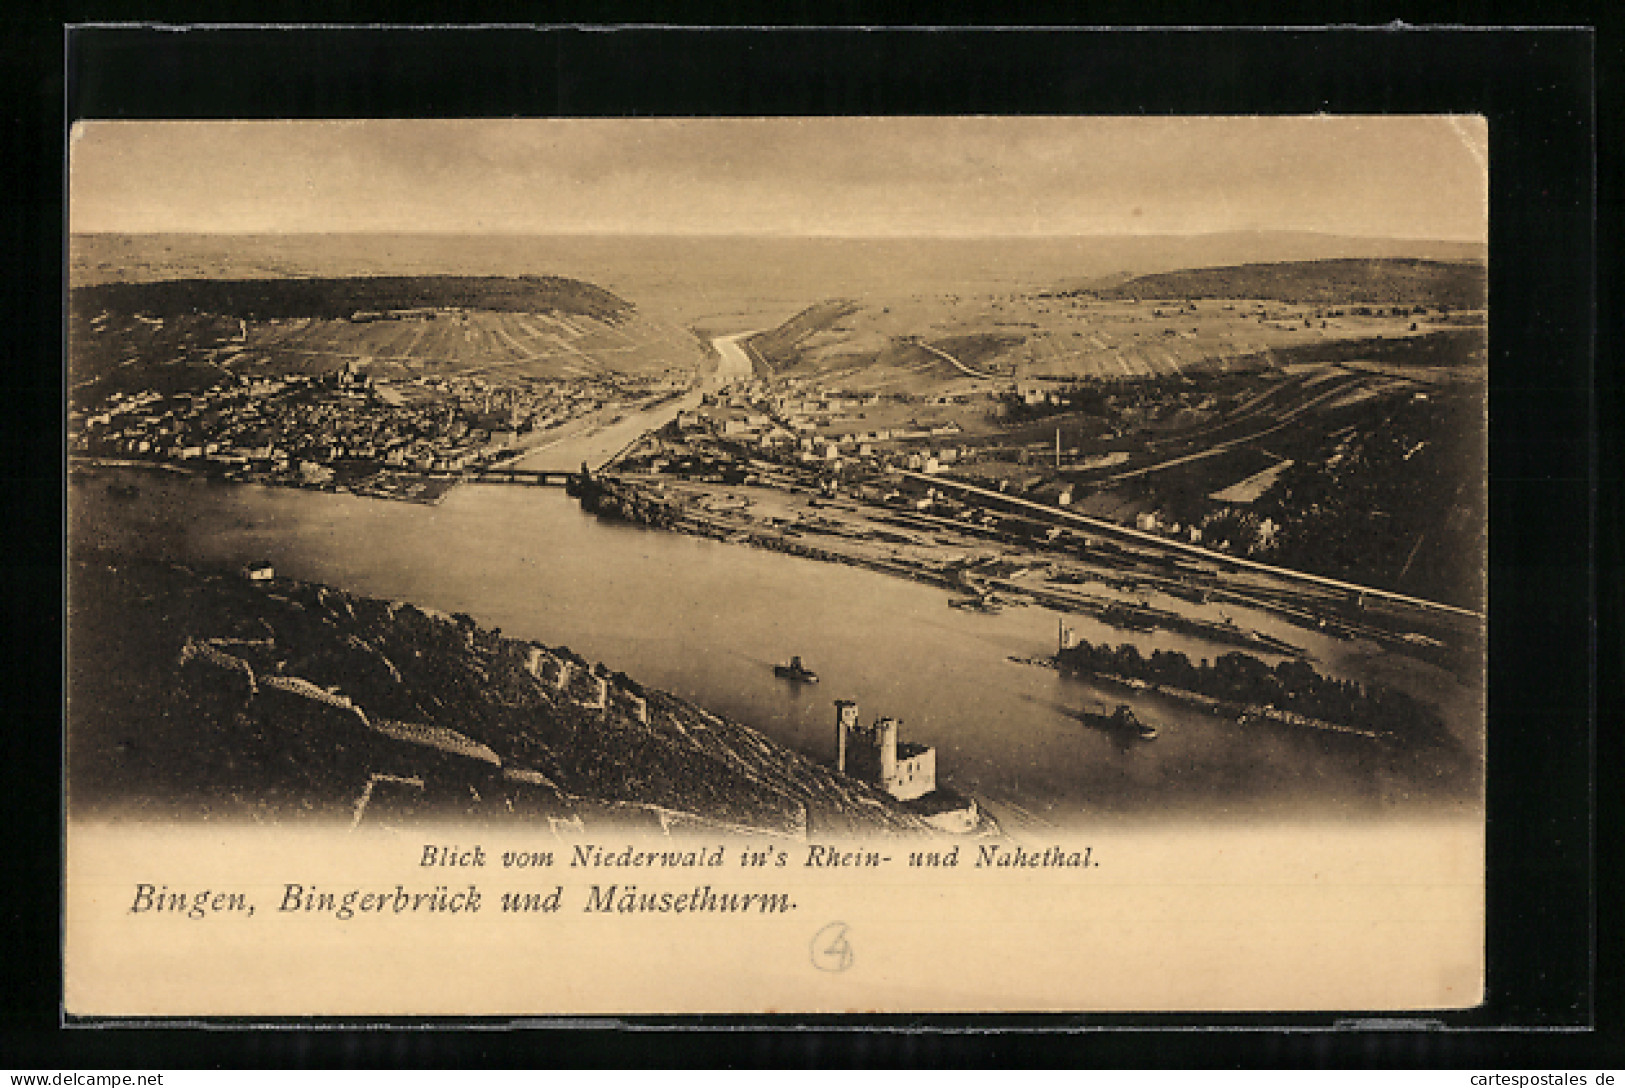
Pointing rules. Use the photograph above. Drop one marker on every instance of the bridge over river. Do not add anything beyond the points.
(531, 477)
(599, 445)
(525, 477)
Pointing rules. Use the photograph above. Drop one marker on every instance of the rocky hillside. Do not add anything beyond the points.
(207, 695)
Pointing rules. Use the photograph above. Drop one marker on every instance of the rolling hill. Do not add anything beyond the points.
(341, 297)
(1168, 326)
(174, 335)
(1381, 281)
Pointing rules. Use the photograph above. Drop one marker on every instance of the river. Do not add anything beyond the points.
(599, 437)
(708, 620)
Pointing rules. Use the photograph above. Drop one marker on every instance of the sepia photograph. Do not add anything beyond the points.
(1057, 541)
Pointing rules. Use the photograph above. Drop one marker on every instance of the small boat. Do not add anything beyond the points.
(1193, 594)
(1270, 642)
(1121, 721)
(796, 671)
(1130, 619)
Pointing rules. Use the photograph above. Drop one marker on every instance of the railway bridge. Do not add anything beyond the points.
(533, 477)
(524, 477)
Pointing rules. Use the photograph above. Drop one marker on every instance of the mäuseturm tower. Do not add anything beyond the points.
(874, 755)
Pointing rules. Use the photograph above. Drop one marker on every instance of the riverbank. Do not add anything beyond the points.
(404, 486)
(707, 621)
(1012, 565)
(285, 700)
(375, 480)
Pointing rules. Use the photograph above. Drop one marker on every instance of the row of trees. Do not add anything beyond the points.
(1400, 502)
(1337, 281)
(341, 297)
(1291, 685)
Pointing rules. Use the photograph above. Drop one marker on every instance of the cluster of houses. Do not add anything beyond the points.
(826, 436)
(821, 431)
(299, 426)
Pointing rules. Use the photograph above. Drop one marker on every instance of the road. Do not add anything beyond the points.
(1213, 451)
(598, 439)
(972, 371)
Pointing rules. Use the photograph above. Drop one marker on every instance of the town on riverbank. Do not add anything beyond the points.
(394, 388)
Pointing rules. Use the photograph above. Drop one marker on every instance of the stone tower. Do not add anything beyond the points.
(846, 717)
(866, 752)
(885, 742)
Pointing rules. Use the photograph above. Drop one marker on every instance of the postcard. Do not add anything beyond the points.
(776, 565)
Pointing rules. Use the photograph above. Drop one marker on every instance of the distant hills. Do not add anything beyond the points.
(1122, 328)
(185, 334)
(333, 298)
(732, 283)
(1382, 280)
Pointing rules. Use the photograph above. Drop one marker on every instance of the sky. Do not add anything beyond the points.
(1422, 177)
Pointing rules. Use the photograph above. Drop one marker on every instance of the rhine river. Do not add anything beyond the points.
(708, 620)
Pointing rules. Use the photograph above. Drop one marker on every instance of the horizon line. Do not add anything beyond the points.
(821, 236)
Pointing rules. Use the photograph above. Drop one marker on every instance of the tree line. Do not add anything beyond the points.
(1293, 684)
(342, 297)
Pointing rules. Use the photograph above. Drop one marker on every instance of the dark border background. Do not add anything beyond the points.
(1536, 87)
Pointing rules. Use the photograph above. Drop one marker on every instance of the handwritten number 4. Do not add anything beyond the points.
(831, 951)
